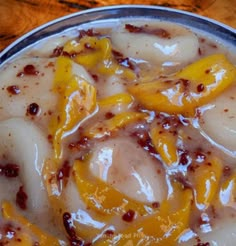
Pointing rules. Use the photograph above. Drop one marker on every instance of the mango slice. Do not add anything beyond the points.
(10, 213)
(102, 197)
(165, 144)
(194, 86)
(96, 53)
(206, 182)
(63, 74)
(121, 98)
(99, 50)
(110, 126)
(76, 102)
(162, 228)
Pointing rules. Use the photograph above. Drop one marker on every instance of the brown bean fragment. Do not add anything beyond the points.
(64, 171)
(67, 221)
(160, 32)
(129, 216)
(109, 233)
(227, 171)
(69, 227)
(199, 51)
(21, 198)
(109, 115)
(133, 29)
(90, 32)
(184, 158)
(50, 138)
(59, 51)
(123, 61)
(203, 244)
(30, 70)
(13, 89)
(95, 77)
(155, 204)
(82, 144)
(200, 88)
(20, 74)
(184, 181)
(32, 109)
(10, 170)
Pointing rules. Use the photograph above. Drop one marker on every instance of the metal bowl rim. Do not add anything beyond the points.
(109, 9)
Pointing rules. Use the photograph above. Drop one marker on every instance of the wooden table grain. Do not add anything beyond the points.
(17, 17)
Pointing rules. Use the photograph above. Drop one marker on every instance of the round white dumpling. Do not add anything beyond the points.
(128, 168)
(180, 47)
(218, 123)
(24, 144)
(31, 88)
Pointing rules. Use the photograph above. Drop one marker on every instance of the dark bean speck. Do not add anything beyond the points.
(13, 89)
(129, 216)
(33, 109)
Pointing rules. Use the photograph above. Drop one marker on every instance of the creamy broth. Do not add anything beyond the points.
(123, 135)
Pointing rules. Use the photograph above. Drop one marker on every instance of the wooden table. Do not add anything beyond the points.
(20, 16)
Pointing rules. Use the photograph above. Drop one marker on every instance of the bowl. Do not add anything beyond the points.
(177, 184)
